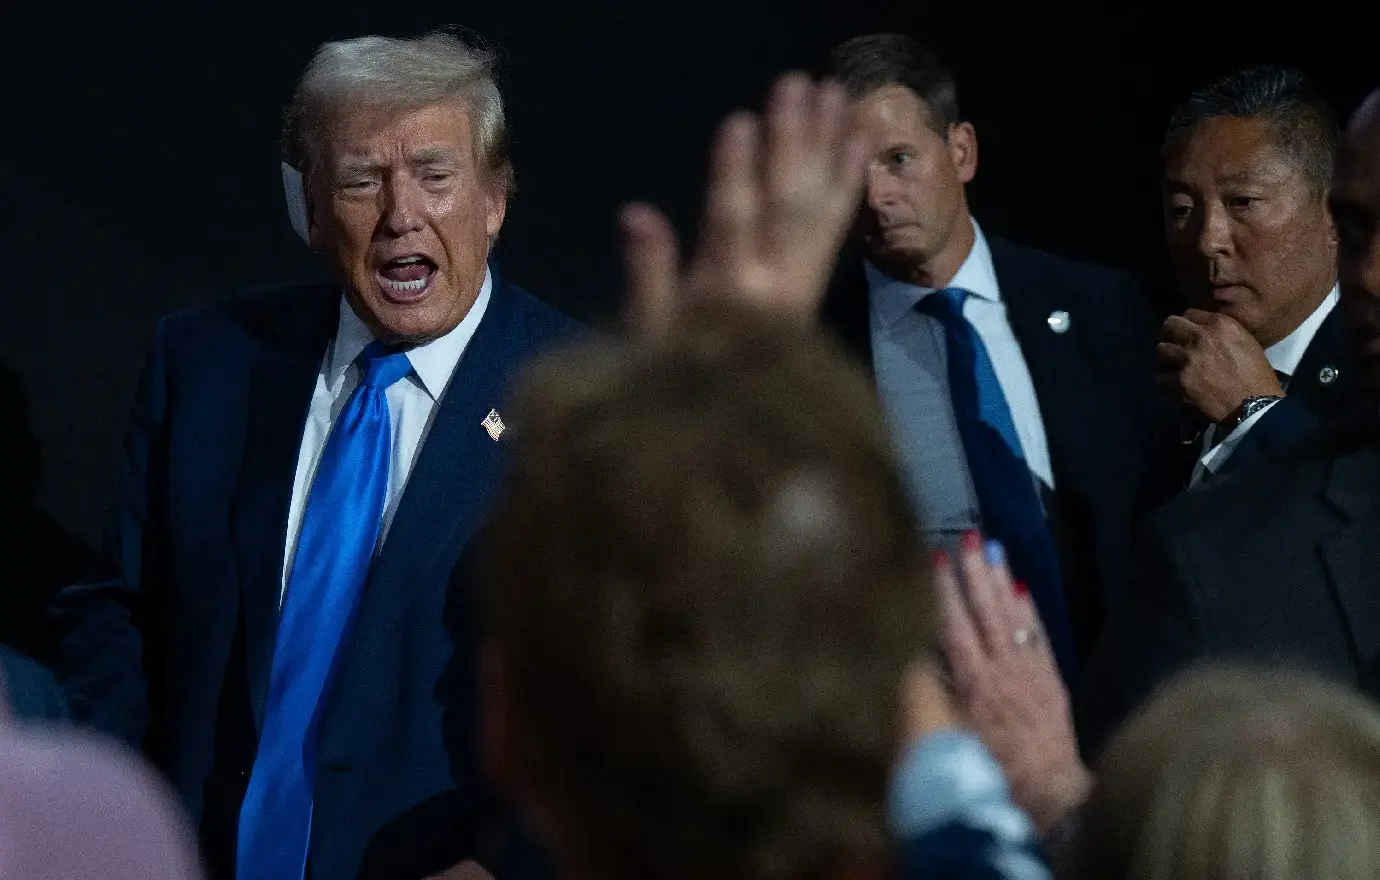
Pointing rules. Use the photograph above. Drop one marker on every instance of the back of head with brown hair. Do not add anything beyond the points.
(1238, 774)
(705, 590)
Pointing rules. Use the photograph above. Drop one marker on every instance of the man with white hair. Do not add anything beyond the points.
(281, 614)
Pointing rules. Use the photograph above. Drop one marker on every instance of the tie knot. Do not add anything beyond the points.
(382, 365)
(946, 304)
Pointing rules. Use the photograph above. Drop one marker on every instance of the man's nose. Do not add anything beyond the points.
(881, 188)
(1214, 232)
(402, 211)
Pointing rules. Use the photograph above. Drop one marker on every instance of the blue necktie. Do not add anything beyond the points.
(340, 529)
(1007, 497)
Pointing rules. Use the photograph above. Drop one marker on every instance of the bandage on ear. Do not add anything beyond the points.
(296, 195)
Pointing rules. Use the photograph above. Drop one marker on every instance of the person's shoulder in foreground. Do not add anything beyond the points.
(74, 807)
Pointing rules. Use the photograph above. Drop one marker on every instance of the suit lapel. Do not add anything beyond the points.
(1352, 555)
(1326, 356)
(280, 390)
(1071, 400)
(449, 489)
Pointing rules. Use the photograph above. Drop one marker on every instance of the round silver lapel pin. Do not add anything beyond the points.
(1327, 375)
(1058, 321)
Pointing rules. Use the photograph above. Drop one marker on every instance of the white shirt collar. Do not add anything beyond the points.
(893, 298)
(432, 362)
(1285, 355)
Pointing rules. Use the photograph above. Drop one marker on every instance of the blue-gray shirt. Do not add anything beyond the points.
(910, 360)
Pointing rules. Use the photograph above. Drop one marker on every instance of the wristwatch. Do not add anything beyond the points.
(1252, 405)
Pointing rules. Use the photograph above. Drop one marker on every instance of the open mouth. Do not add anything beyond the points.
(406, 279)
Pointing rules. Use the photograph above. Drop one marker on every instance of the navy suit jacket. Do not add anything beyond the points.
(1274, 564)
(168, 644)
(31, 691)
(1096, 388)
(1324, 387)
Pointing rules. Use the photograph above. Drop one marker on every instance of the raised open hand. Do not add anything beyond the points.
(1007, 683)
(783, 190)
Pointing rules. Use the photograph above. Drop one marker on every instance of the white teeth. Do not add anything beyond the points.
(408, 260)
(406, 286)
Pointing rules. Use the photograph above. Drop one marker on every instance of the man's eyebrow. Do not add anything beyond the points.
(434, 156)
(351, 165)
(1237, 178)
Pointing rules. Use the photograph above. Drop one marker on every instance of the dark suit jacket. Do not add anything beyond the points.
(1096, 388)
(32, 692)
(1323, 387)
(169, 643)
(1276, 564)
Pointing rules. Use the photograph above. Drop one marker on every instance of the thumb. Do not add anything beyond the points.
(651, 266)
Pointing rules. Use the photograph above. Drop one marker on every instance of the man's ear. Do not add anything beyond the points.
(1333, 236)
(295, 192)
(963, 150)
(495, 208)
(316, 236)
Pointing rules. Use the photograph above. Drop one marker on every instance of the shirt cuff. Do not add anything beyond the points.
(1217, 456)
(948, 777)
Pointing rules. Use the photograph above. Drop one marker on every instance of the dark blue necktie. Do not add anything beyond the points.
(1007, 496)
(340, 529)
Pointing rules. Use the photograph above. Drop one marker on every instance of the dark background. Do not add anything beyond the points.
(139, 162)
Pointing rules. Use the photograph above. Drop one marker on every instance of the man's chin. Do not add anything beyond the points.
(1240, 311)
(414, 322)
(895, 252)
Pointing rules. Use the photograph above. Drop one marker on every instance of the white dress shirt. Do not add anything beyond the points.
(411, 407)
(893, 314)
(1284, 356)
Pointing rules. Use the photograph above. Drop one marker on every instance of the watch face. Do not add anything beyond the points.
(1253, 406)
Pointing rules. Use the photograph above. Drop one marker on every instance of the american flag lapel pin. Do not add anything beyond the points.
(493, 423)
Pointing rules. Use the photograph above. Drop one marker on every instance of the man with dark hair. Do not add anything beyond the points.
(1019, 385)
(1259, 359)
(1274, 565)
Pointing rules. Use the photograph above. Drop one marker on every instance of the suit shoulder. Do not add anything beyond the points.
(259, 305)
(1107, 280)
(543, 323)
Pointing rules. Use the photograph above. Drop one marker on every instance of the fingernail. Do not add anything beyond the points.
(941, 559)
(971, 542)
(995, 553)
(1021, 589)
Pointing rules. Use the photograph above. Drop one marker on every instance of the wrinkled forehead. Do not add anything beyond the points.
(1226, 151)
(378, 131)
(892, 110)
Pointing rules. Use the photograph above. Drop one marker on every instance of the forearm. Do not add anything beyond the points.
(101, 654)
(99, 619)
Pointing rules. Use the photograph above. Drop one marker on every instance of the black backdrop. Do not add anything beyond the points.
(138, 164)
